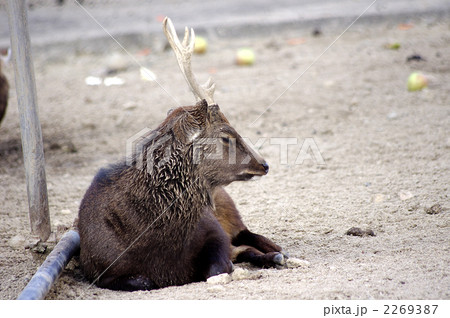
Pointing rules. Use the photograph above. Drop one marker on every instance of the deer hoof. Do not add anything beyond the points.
(279, 259)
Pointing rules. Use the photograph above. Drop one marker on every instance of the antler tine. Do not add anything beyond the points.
(209, 86)
(183, 52)
(186, 36)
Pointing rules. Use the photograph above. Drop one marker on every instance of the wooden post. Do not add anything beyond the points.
(32, 146)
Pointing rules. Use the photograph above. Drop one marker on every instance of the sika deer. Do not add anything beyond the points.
(168, 220)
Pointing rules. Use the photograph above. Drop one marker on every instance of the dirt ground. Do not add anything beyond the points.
(386, 153)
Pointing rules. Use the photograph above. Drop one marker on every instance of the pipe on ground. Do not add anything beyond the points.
(48, 273)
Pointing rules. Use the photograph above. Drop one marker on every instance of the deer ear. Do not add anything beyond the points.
(200, 112)
(192, 123)
(197, 116)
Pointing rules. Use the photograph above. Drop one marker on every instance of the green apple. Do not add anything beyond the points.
(416, 82)
(200, 45)
(245, 56)
(393, 46)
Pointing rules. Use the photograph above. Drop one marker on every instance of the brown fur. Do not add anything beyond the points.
(246, 246)
(171, 222)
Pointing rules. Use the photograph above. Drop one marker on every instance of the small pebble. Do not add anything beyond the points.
(405, 195)
(219, 279)
(378, 198)
(113, 81)
(328, 231)
(435, 209)
(316, 32)
(40, 248)
(69, 147)
(415, 57)
(65, 211)
(356, 231)
(392, 115)
(93, 81)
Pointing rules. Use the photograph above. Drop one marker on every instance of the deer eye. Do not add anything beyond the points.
(225, 140)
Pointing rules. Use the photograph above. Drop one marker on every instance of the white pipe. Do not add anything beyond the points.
(48, 273)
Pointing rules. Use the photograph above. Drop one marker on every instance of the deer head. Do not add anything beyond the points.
(219, 152)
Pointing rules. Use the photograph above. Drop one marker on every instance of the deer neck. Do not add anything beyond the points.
(175, 188)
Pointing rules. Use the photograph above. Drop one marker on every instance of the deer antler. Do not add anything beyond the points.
(184, 51)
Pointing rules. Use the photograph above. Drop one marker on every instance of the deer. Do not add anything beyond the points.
(163, 217)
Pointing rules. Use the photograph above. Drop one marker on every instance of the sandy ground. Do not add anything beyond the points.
(386, 153)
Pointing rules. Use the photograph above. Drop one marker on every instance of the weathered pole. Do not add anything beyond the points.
(32, 146)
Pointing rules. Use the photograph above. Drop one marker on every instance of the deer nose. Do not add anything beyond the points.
(265, 166)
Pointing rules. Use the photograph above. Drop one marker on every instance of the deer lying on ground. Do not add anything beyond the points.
(168, 220)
